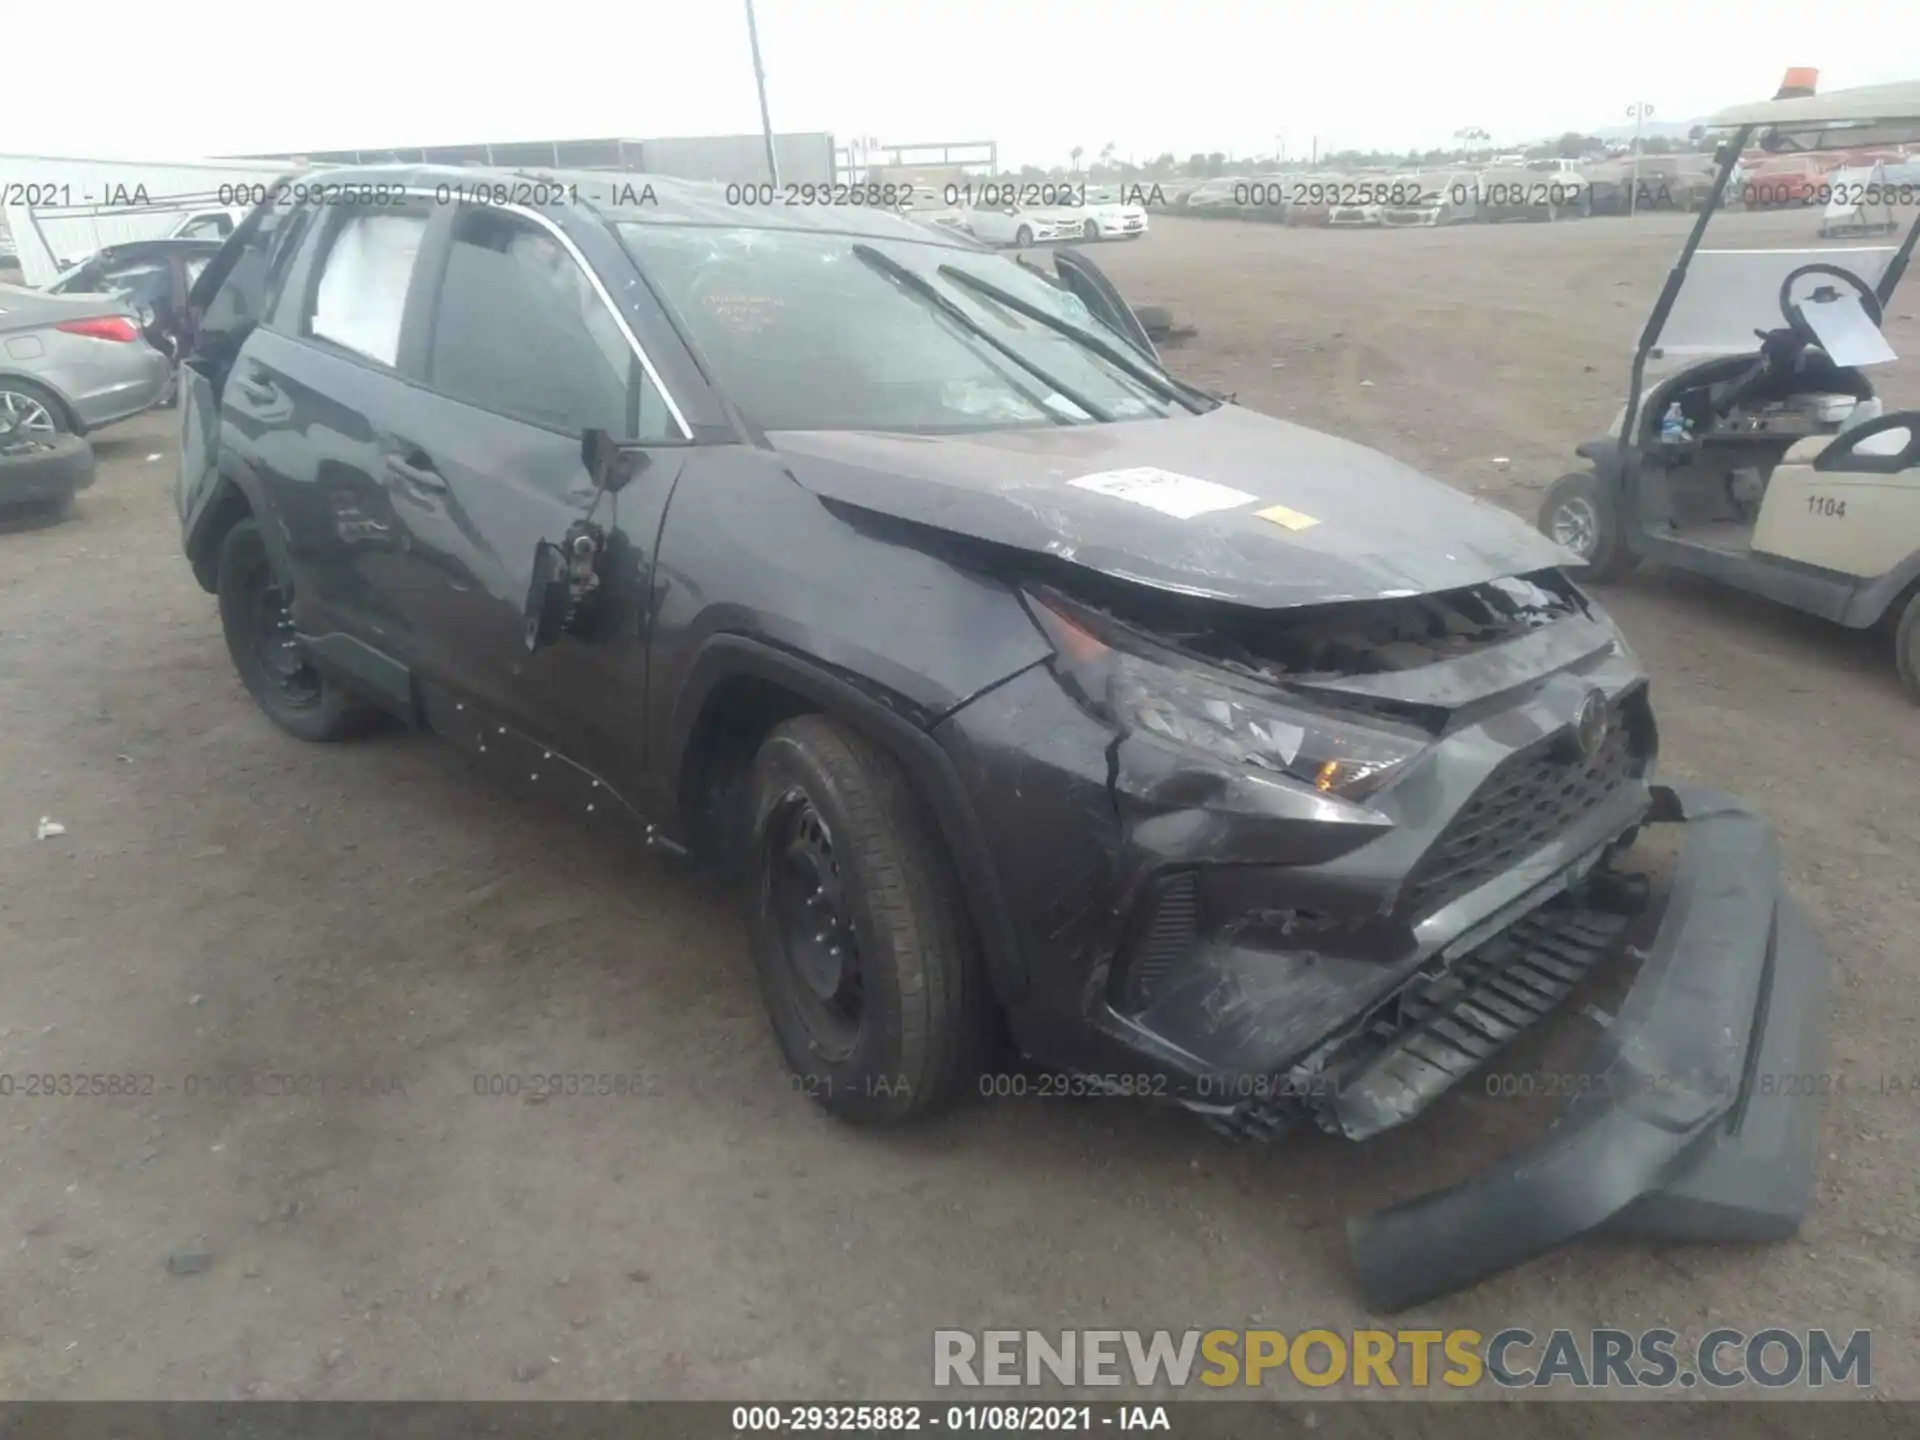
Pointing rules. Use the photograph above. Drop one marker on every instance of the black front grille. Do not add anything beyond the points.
(1448, 1021)
(1530, 799)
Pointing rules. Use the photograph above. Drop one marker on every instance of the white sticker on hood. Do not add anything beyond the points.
(1168, 491)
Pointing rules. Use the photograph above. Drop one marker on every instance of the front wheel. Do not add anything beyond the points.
(860, 937)
(1580, 514)
(1023, 237)
(1906, 647)
(1091, 230)
(256, 612)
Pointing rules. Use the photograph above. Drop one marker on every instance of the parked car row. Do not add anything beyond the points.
(1548, 189)
(1011, 215)
(1079, 214)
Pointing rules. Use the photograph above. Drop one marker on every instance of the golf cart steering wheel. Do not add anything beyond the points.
(1790, 308)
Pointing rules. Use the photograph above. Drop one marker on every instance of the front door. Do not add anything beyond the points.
(523, 353)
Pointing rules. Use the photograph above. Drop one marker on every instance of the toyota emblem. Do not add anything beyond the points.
(1590, 725)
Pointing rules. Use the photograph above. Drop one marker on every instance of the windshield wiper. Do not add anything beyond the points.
(1163, 385)
(919, 287)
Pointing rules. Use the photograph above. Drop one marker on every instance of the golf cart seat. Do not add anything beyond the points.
(1849, 503)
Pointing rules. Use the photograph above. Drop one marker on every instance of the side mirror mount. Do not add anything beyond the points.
(549, 597)
(604, 460)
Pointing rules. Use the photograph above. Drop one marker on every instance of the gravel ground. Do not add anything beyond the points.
(227, 901)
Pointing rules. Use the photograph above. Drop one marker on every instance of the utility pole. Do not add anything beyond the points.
(760, 83)
(1638, 112)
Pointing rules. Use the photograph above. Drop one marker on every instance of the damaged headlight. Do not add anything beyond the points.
(1131, 681)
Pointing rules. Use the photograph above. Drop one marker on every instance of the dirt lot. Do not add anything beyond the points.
(227, 900)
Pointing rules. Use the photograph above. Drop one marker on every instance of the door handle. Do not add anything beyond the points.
(258, 390)
(421, 476)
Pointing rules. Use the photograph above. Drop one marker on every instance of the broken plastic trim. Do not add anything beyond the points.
(1676, 1138)
(1142, 686)
(1343, 639)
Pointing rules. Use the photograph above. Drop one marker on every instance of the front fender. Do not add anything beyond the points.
(725, 657)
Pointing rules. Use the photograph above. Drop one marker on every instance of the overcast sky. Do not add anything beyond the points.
(1038, 76)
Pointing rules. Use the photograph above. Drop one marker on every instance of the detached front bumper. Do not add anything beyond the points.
(1701, 1119)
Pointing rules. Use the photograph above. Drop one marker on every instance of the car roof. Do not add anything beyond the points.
(657, 199)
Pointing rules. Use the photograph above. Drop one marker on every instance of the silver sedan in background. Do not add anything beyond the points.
(72, 363)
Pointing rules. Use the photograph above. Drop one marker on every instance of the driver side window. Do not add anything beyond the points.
(521, 331)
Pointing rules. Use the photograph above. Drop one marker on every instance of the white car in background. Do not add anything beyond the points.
(1023, 225)
(929, 205)
(1104, 215)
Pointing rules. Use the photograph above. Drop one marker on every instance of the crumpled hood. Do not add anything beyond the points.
(1341, 522)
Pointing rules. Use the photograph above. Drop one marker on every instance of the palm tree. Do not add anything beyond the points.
(1074, 155)
(1470, 135)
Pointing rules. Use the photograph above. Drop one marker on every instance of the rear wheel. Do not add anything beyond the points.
(1091, 230)
(256, 612)
(31, 409)
(1580, 514)
(860, 938)
(1906, 647)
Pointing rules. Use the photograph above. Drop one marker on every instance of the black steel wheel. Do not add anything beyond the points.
(860, 938)
(256, 613)
(816, 933)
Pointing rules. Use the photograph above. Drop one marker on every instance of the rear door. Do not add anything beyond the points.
(522, 351)
(227, 301)
(308, 405)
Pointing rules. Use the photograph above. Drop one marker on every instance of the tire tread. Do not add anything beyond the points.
(912, 901)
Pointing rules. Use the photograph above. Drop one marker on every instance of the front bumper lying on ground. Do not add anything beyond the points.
(1686, 1133)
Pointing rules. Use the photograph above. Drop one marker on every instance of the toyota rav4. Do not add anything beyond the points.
(1036, 691)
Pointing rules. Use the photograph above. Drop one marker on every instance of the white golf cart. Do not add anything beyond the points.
(1774, 469)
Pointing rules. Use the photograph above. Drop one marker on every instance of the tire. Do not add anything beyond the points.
(289, 690)
(879, 1011)
(1906, 648)
(1579, 513)
(1023, 237)
(18, 397)
(1090, 230)
(46, 472)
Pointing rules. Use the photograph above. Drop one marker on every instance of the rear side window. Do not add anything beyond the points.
(361, 296)
(520, 330)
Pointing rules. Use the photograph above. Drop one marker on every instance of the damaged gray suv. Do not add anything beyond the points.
(1038, 693)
